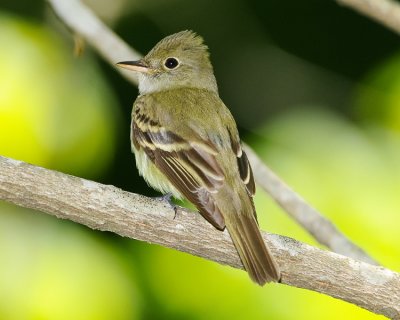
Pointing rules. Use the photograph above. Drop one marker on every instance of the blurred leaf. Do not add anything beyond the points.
(55, 111)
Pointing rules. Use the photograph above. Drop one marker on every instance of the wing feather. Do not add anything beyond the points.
(246, 174)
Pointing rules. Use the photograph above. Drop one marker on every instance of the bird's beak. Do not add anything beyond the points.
(139, 66)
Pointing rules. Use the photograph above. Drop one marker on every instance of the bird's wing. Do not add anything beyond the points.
(246, 174)
(190, 166)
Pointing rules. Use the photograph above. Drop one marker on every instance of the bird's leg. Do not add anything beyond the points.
(167, 198)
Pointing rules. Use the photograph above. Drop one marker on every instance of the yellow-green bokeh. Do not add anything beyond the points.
(55, 110)
(52, 270)
(378, 98)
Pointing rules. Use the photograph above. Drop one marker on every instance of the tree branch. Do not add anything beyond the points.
(82, 21)
(386, 12)
(130, 215)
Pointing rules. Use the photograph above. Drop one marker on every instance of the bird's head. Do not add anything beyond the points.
(179, 60)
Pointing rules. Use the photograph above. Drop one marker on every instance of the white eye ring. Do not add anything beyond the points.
(171, 63)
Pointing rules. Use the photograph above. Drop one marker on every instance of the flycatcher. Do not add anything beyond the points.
(186, 143)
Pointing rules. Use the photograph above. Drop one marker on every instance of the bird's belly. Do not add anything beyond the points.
(154, 177)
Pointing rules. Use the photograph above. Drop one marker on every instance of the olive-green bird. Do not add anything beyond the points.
(186, 143)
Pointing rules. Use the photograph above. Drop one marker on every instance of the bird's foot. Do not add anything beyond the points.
(168, 198)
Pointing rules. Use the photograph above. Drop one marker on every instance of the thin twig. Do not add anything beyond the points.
(130, 215)
(386, 12)
(317, 225)
(82, 21)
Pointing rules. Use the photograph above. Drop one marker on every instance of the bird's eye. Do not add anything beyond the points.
(171, 63)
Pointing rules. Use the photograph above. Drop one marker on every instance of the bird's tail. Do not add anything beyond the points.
(254, 253)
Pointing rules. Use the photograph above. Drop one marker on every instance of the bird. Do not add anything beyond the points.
(186, 143)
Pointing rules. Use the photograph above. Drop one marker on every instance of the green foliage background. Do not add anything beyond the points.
(315, 90)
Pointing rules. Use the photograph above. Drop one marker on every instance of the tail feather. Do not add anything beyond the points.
(254, 253)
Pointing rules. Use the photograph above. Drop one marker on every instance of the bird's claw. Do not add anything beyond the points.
(168, 198)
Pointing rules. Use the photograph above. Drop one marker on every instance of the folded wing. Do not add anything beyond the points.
(189, 165)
